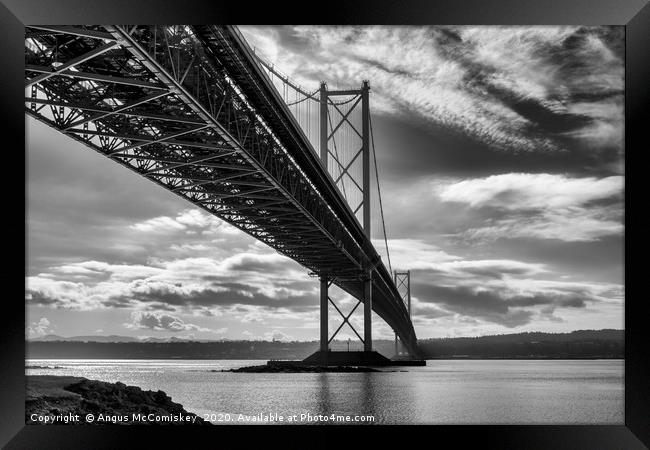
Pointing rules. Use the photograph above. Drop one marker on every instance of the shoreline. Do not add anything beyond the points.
(60, 400)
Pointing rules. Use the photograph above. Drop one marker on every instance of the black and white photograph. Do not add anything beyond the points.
(324, 225)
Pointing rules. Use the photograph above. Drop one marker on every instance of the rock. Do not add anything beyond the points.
(61, 396)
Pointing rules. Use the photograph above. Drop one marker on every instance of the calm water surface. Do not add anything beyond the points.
(443, 392)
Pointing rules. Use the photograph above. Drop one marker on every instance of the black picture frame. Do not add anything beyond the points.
(634, 14)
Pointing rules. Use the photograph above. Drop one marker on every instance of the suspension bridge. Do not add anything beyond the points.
(197, 111)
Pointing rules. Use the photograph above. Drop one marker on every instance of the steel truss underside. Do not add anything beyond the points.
(190, 109)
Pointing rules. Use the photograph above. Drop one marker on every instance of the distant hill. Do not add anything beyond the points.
(607, 343)
(578, 335)
(588, 344)
(91, 338)
(110, 338)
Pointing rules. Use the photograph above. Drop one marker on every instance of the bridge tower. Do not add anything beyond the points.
(328, 128)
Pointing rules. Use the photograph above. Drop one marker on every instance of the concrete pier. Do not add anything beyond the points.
(357, 359)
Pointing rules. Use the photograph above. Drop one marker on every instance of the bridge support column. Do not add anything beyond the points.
(365, 155)
(367, 313)
(324, 331)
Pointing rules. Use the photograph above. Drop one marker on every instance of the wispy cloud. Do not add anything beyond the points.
(413, 253)
(514, 88)
(518, 191)
(570, 225)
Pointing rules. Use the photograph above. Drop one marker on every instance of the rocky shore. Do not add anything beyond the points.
(75, 400)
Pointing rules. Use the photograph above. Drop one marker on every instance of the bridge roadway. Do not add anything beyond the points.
(191, 109)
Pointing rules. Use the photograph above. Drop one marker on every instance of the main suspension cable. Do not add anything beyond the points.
(307, 97)
(282, 76)
(381, 206)
(343, 102)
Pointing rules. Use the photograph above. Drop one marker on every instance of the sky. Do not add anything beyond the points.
(500, 152)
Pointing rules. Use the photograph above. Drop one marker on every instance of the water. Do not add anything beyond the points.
(443, 392)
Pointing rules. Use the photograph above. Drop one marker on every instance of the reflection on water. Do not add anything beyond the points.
(452, 392)
(367, 394)
(324, 402)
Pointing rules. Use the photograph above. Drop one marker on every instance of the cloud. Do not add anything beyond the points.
(575, 225)
(194, 282)
(540, 206)
(164, 322)
(181, 276)
(487, 268)
(100, 269)
(45, 291)
(413, 253)
(503, 292)
(39, 328)
(217, 266)
(425, 310)
(158, 225)
(272, 335)
(521, 191)
(276, 335)
(492, 306)
(188, 219)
